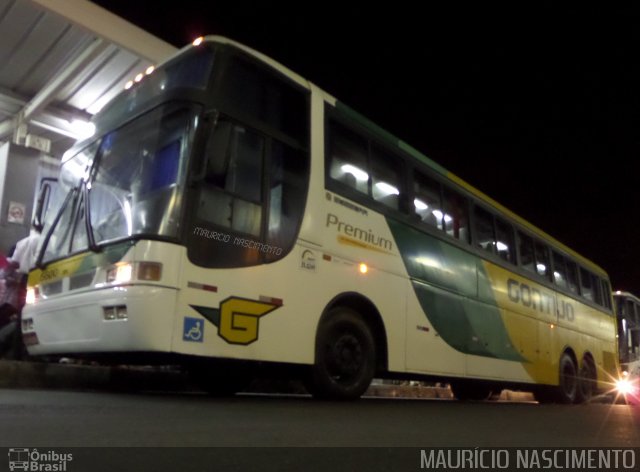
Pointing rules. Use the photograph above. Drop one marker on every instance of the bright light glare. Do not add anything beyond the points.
(83, 129)
(31, 296)
(363, 268)
(359, 174)
(149, 70)
(138, 77)
(198, 41)
(128, 85)
(625, 387)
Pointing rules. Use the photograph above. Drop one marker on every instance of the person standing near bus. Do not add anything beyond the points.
(20, 260)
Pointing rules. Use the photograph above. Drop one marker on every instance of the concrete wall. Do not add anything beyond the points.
(19, 171)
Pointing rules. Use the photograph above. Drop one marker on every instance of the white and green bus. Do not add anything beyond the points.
(229, 215)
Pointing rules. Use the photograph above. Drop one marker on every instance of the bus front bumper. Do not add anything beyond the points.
(119, 319)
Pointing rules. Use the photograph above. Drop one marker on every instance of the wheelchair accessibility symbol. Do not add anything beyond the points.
(193, 330)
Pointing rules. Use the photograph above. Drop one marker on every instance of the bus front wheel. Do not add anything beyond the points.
(345, 357)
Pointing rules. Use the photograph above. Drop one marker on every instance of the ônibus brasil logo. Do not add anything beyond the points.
(22, 458)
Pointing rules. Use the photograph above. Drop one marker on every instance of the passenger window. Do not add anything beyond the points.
(559, 270)
(585, 284)
(597, 289)
(348, 158)
(606, 293)
(543, 266)
(505, 241)
(572, 276)
(527, 258)
(426, 202)
(483, 224)
(456, 219)
(385, 178)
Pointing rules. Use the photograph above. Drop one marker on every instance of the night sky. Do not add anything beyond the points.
(538, 108)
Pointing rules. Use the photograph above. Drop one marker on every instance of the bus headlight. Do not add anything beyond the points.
(32, 293)
(120, 274)
(126, 272)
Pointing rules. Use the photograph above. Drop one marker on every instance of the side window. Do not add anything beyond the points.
(456, 218)
(572, 276)
(585, 284)
(288, 172)
(385, 178)
(233, 196)
(559, 270)
(348, 158)
(606, 293)
(255, 93)
(505, 241)
(543, 266)
(426, 202)
(483, 225)
(597, 289)
(527, 257)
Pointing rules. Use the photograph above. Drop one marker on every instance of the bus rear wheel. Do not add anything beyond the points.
(586, 382)
(568, 389)
(345, 357)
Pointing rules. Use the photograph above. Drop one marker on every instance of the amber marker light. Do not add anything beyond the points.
(363, 268)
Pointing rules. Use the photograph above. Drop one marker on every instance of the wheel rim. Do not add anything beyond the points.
(569, 381)
(345, 358)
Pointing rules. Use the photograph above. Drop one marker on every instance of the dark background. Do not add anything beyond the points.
(537, 107)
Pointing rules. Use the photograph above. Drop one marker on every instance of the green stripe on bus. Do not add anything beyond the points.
(455, 294)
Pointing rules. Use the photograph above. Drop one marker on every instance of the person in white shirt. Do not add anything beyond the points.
(25, 252)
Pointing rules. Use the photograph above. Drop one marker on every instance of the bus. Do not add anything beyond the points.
(627, 308)
(231, 217)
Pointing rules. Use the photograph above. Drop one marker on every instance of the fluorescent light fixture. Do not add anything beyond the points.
(387, 189)
(438, 214)
(420, 205)
(83, 129)
(359, 174)
(541, 268)
(502, 246)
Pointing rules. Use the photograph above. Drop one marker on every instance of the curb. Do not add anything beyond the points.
(42, 375)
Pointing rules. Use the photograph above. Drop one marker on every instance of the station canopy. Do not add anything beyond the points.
(61, 61)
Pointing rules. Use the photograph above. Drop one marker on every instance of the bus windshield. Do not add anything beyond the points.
(130, 183)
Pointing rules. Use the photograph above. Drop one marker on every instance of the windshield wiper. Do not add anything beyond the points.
(87, 219)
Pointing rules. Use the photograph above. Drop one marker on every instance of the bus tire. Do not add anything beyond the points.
(465, 390)
(345, 357)
(567, 390)
(586, 382)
